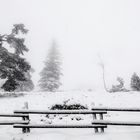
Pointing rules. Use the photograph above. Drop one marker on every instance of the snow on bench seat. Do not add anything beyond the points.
(13, 122)
(101, 122)
(116, 109)
(26, 128)
(60, 112)
(14, 115)
(58, 126)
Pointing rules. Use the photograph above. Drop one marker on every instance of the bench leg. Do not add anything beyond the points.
(102, 130)
(26, 118)
(94, 117)
(101, 116)
(23, 130)
(96, 130)
(28, 130)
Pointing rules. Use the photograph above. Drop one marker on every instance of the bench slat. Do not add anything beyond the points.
(60, 112)
(59, 126)
(116, 123)
(13, 122)
(14, 115)
(116, 109)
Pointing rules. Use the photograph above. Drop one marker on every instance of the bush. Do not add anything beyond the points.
(68, 107)
(119, 87)
(65, 106)
(135, 82)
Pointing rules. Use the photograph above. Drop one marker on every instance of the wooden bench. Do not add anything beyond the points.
(94, 113)
(26, 128)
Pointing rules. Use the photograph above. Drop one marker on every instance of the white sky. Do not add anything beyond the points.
(83, 29)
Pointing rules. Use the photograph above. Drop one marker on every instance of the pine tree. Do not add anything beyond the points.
(51, 73)
(13, 67)
(26, 85)
(135, 82)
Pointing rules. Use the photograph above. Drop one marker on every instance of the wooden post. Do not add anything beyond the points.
(102, 130)
(96, 130)
(94, 118)
(101, 116)
(24, 130)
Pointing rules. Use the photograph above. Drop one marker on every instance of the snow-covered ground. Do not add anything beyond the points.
(42, 101)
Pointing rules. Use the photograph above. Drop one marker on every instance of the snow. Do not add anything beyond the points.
(43, 101)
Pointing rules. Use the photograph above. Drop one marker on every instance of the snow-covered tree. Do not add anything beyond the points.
(119, 87)
(13, 67)
(135, 82)
(51, 73)
(27, 85)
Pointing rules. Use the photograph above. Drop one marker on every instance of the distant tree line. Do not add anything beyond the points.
(16, 71)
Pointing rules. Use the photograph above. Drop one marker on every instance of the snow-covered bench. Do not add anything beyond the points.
(26, 128)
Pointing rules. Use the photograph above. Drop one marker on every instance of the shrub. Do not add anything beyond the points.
(119, 87)
(68, 107)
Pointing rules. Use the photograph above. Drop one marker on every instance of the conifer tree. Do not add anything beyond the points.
(13, 67)
(51, 73)
(135, 82)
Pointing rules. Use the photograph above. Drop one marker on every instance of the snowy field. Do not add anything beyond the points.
(42, 101)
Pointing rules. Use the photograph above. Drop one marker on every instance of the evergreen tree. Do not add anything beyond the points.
(12, 66)
(26, 85)
(135, 82)
(51, 73)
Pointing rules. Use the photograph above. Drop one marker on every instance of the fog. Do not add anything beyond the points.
(83, 30)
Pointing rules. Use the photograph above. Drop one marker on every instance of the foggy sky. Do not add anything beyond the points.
(83, 30)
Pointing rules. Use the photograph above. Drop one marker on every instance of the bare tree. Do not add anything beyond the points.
(103, 73)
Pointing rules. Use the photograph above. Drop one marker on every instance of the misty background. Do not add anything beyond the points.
(83, 30)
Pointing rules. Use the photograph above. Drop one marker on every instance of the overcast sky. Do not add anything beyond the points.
(83, 29)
